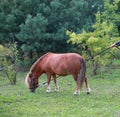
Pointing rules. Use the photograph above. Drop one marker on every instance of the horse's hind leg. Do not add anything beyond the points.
(48, 84)
(56, 83)
(88, 90)
(77, 92)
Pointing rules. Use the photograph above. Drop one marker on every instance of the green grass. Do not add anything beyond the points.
(104, 100)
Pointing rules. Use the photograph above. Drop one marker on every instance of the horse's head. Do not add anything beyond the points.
(31, 81)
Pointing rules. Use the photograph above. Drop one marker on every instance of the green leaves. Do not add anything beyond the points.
(40, 26)
(103, 35)
(43, 22)
(33, 30)
(9, 61)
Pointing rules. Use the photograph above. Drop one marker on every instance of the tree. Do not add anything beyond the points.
(105, 33)
(32, 33)
(60, 15)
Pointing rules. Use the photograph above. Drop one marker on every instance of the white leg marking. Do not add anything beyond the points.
(77, 92)
(48, 89)
(57, 88)
(88, 90)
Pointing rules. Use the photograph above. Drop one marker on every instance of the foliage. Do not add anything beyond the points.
(33, 31)
(102, 102)
(9, 62)
(39, 25)
(92, 43)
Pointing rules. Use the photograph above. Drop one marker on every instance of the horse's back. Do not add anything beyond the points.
(63, 64)
(66, 58)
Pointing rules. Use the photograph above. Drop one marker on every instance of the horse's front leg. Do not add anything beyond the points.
(56, 83)
(48, 84)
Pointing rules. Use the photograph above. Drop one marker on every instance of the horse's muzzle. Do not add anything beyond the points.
(32, 90)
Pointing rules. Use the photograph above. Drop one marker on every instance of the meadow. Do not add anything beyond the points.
(104, 100)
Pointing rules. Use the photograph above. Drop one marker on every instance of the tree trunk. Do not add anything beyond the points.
(94, 67)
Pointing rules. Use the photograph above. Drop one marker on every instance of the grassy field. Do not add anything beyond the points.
(104, 100)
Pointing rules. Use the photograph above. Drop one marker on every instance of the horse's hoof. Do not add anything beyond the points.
(88, 93)
(56, 90)
(76, 93)
(47, 92)
(88, 90)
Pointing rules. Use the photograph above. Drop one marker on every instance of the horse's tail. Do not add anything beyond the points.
(82, 73)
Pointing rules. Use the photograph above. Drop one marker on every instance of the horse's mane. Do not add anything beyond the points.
(34, 65)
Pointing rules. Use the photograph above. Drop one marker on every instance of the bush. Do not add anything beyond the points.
(9, 62)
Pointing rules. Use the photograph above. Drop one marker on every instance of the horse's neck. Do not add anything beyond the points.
(36, 70)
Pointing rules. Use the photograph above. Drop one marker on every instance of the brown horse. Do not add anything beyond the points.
(58, 64)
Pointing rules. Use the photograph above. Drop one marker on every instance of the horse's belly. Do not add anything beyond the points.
(62, 72)
(66, 70)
